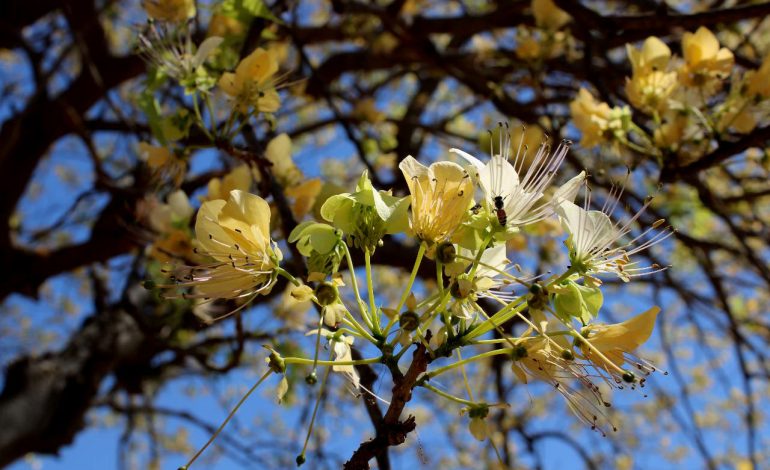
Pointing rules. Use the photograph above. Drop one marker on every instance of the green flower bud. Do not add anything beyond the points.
(311, 378)
(409, 321)
(446, 253)
(629, 377)
(567, 355)
(326, 293)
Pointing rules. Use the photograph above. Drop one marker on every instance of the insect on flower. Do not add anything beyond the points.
(514, 190)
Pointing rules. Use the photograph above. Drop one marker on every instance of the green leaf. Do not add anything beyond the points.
(578, 301)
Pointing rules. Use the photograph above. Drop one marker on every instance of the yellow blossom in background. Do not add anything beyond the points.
(616, 340)
(278, 153)
(175, 244)
(527, 47)
(304, 196)
(441, 196)
(650, 84)
(253, 83)
(591, 117)
(670, 134)
(239, 178)
(653, 55)
(169, 10)
(366, 109)
(163, 217)
(704, 59)
(758, 81)
(650, 92)
(223, 26)
(548, 16)
(163, 162)
(738, 118)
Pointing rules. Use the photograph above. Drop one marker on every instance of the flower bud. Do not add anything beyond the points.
(409, 321)
(446, 252)
(326, 293)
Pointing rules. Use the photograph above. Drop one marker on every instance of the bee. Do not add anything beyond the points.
(502, 217)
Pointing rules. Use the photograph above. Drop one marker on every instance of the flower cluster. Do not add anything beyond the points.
(686, 101)
(461, 218)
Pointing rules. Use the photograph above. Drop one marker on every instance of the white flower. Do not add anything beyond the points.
(514, 198)
(595, 241)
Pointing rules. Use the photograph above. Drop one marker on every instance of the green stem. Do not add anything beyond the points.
(310, 362)
(408, 288)
(227, 420)
(354, 281)
(478, 357)
(315, 409)
(375, 318)
(448, 396)
(199, 117)
(286, 274)
(498, 318)
(350, 321)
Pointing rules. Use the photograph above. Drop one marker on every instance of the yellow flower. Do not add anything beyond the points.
(223, 25)
(535, 358)
(304, 195)
(670, 134)
(169, 10)
(548, 16)
(740, 119)
(650, 84)
(704, 59)
(239, 178)
(650, 92)
(175, 244)
(236, 234)
(253, 83)
(278, 153)
(591, 117)
(758, 81)
(653, 56)
(441, 197)
(527, 47)
(163, 162)
(617, 341)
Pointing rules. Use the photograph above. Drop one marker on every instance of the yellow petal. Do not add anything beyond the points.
(628, 335)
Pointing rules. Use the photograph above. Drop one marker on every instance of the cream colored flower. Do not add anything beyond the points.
(253, 83)
(670, 134)
(163, 162)
(441, 197)
(548, 16)
(650, 92)
(223, 26)
(169, 10)
(507, 186)
(591, 117)
(652, 56)
(278, 153)
(597, 244)
(704, 59)
(163, 217)
(236, 234)
(239, 178)
(758, 81)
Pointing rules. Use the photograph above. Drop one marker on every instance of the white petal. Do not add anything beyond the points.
(470, 158)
